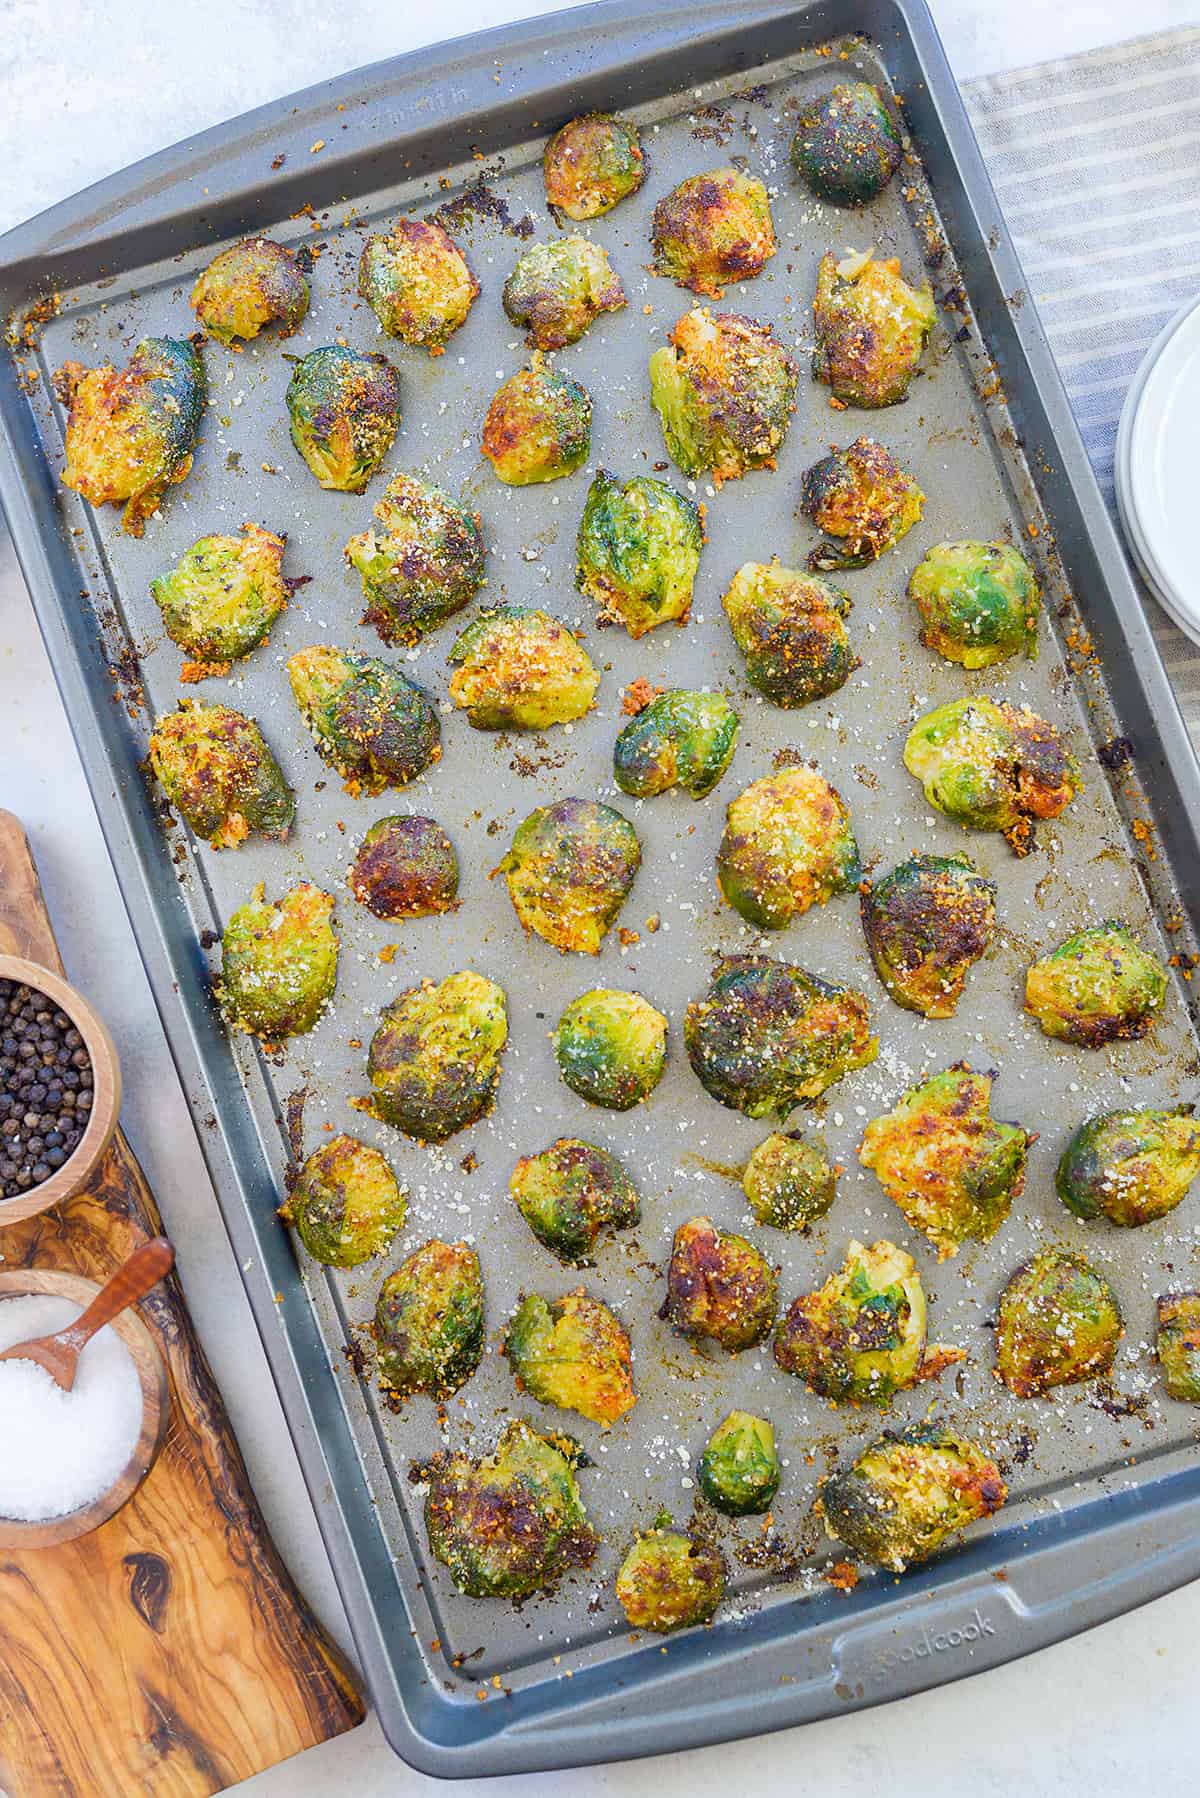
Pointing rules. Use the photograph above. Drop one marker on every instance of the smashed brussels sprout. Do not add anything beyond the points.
(429, 1321)
(927, 923)
(131, 432)
(901, 1497)
(1130, 1166)
(638, 550)
(724, 389)
(611, 1048)
(405, 868)
(860, 1338)
(569, 872)
(214, 766)
(720, 1286)
(538, 426)
(1177, 1346)
(1098, 987)
(739, 1471)
(511, 1524)
(871, 328)
(256, 283)
(369, 721)
(279, 963)
(1058, 1322)
(791, 629)
(591, 164)
(863, 501)
(434, 1060)
(572, 1194)
(670, 1579)
(788, 1182)
(558, 289)
(520, 669)
(847, 147)
(420, 564)
(417, 282)
(712, 230)
(683, 738)
(766, 1035)
(344, 408)
(788, 845)
(979, 602)
(221, 599)
(992, 766)
(346, 1203)
(572, 1352)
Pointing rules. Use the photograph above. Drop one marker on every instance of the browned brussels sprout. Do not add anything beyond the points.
(429, 1321)
(1058, 1323)
(638, 550)
(863, 501)
(574, 1353)
(538, 426)
(1178, 1345)
(569, 872)
(871, 329)
(516, 668)
(979, 602)
(1097, 987)
(344, 408)
(724, 389)
(420, 564)
(719, 1286)
(215, 768)
(788, 1182)
(220, 600)
(591, 164)
(279, 963)
(791, 629)
(992, 767)
(131, 432)
(739, 1471)
(766, 1035)
(611, 1048)
(683, 738)
(712, 230)
(900, 1499)
(434, 1061)
(927, 923)
(670, 1579)
(572, 1194)
(1130, 1166)
(847, 147)
(256, 283)
(951, 1167)
(405, 868)
(417, 282)
(558, 289)
(376, 727)
(346, 1204)
(788, 845)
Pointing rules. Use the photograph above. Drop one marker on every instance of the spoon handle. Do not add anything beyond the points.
(132, 1281)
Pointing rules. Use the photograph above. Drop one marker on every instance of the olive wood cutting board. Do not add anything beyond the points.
(169, 1652)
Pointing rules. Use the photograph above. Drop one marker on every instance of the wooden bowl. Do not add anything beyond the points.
(156, 1404)
(78, 1169)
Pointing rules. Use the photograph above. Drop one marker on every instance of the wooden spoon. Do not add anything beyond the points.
(59, 1354)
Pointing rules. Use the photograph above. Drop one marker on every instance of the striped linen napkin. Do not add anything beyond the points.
(1096, 163)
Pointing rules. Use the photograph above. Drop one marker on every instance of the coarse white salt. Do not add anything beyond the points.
(62, 1449)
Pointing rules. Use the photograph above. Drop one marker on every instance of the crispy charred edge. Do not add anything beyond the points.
(793, 636)
(926, 924)
(426, 248)
(649, 1586)
(555, 302)
(719, 1285)
(1022, 1313)
(753, 857)
(435, 570)
(584, 141)
(401, 1090)
(405, 868)
(601, 854)
(275, 278)
(438, 1289)
(864, 502)
(251, 795)
(1096, 1032)
(712, 230)
(737, 409)
(542, 408)
(595, 1195)
(1177, 1344)
(872, 1523)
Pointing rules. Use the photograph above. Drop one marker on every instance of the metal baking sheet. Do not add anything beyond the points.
(1103, 1511)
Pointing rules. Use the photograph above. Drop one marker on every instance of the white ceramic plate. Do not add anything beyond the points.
(1157, 468)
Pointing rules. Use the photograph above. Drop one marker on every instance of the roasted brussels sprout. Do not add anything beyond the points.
(791, 629)
(1130, 1166)
(405, 868)
(569, 872)
(724, 389)
(571, 1194)
(611, 1048)
(417, 282)
(371, 723)
(683, 738)
(215, 768)
(788, 1182)
(256, 283)
(1177, 1346)
(346, 1204)
(221, 599)
(992, 767)
(847, 147)
(720, 1286)
(538, 426)
(860, 1339)
(429, 1321)
(863, 501)
(131, 432)
(1058, 1322)
(1098, 987)
(926, 924)
(420, 564)
(739, 1471)
(344, 408)
(900, 1499)
(767, 1034)
(278, 963)
(591, 163)
(513, 1523)
(434, 1060)
(871, 328)
(712, 230)
(638, 550)
(788, 845)
(979, 602)
(558, 289)
(670, 1579)
(572, 1352)
(520, 669)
